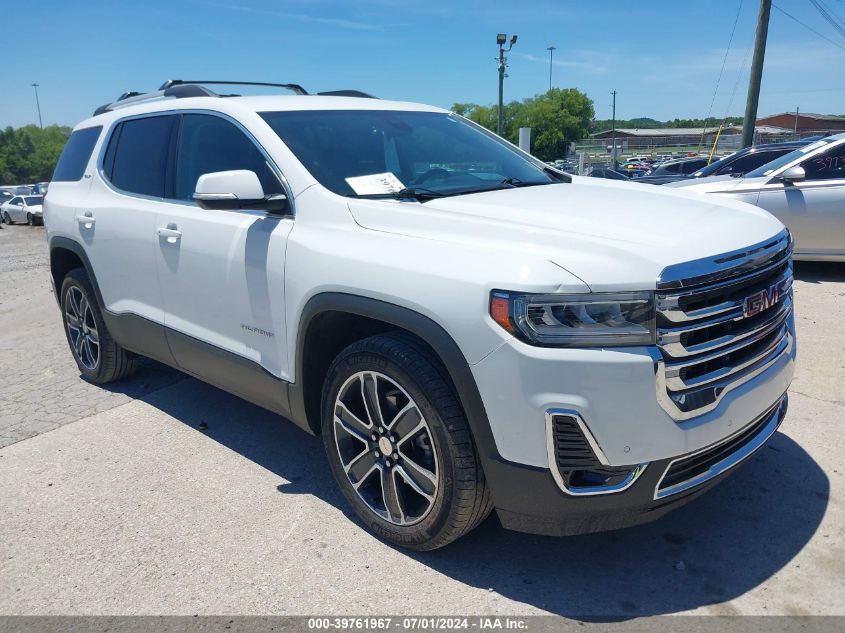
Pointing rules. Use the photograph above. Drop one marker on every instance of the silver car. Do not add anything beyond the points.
(23, 209)
(804, 189)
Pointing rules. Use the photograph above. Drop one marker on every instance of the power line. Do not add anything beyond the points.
(721, 72)
(829, 17)
(810, 28)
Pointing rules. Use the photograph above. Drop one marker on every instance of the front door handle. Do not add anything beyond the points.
(86, 220)
(170, 232)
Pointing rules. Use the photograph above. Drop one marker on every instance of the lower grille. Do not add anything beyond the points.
(720, 323)
(693, 470)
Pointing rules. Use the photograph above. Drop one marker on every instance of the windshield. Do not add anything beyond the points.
(32, 200)
(770, 167)
(372, 153)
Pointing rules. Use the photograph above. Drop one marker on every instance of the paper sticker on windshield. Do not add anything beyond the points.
(375, 184)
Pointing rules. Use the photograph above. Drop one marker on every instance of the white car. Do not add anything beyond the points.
(804, 189)
(467, 328)
(23, 209)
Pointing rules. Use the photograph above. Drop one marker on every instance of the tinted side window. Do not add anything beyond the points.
(141, 154)
(828, 165)
(75, 155)
(693, 166)
(209, 143)
(752, 161)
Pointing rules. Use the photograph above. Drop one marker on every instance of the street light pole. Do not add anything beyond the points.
(501, 39)
(613, 164)
(38, 105)
(551, 50)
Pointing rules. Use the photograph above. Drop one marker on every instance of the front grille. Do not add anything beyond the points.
(693, 470)
(709, 343)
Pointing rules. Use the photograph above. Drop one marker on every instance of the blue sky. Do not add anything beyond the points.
(663, 56)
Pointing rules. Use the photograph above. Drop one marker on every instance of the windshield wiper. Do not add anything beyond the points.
(516, 182)
(407, 193)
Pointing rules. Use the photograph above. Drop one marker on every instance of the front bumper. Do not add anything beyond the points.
(528, 499)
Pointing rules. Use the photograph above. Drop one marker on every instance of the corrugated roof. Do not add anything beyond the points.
(694, 131)
(667, 131)
(808, 115)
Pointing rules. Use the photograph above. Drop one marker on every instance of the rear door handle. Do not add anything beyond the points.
(170, 232)
(86, 220)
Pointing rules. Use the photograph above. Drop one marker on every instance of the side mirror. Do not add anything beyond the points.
(237, 189)
(793, 174)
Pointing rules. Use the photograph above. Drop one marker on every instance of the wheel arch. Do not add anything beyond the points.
(374, 316)
(65, 255)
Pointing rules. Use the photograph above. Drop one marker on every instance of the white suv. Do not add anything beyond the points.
(467, 328)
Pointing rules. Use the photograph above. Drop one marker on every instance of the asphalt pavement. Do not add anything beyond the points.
(163, 495)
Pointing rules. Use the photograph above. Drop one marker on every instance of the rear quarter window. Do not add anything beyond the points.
(76, 154)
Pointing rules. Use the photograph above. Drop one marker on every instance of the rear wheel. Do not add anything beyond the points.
(30, 220)
(399, 445)
(99, 358)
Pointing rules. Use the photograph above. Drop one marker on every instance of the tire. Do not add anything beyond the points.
(29, 219)
(436, 491)
(7, 218)
(99, 358)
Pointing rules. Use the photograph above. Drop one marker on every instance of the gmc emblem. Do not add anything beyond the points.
(765, 299)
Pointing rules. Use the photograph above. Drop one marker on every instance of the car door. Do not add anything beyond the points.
(813, 209)
(222, 272)
(12, 209)
(117, 222)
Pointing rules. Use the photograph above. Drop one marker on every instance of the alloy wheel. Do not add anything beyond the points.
(82, 328)
(386, 448)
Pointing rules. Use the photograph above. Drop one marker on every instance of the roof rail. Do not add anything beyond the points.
(296, 88)
(182, 89)
(346, 93)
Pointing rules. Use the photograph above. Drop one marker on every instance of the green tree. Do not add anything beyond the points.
(556, 118)
(29, 154)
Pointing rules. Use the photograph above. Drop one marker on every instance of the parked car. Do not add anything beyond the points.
(735, 164)
(679, 166)
(804, 189)
(573, 352)
(610, 174)
(23, 209)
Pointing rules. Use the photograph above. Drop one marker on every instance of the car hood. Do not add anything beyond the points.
(612, 235)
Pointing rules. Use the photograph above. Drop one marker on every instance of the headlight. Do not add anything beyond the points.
(579, 320)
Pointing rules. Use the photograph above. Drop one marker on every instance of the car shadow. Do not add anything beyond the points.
(819, 272)
(716, 548)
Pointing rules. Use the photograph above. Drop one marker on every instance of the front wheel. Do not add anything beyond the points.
(7, 218)
(399, 445)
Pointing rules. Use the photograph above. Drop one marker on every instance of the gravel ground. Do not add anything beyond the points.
(166, 495)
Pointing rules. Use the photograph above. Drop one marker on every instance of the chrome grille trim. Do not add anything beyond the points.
(766, 425)
(707, 345)
(712, 269)
(670, 339)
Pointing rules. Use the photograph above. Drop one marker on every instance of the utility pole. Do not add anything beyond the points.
(795, 131)
(754, 81)
(613, 163)
(551, 50)
(501, 39)
(38, 105)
